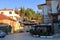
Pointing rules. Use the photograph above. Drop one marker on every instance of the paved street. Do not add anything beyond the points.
(25, 36)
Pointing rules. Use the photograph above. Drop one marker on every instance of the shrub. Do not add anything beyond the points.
(32, 32)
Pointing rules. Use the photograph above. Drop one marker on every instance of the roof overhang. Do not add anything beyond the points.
(41, 5)
(54, 14)
(48, 0)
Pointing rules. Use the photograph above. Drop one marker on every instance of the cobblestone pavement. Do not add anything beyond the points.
(25, 36)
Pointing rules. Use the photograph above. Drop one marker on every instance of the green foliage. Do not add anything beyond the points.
(30, 14)
(45, 33)
(32, 31)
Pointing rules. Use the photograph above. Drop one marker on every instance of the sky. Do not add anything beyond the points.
(21, 3)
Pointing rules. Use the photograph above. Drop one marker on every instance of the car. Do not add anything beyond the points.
(2, 34)
(4, 29)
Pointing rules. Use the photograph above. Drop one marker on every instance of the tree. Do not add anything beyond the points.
(30, 14)
(22, 11)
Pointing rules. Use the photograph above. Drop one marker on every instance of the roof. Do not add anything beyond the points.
(43, 25)
(52, 0)
(16, 11)
(5, 17)
(48, 0)
(6, 9)
(41, 5)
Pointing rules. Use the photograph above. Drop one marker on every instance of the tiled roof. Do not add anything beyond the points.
(5, 9)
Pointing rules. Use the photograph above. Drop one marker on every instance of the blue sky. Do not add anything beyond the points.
(18, 3)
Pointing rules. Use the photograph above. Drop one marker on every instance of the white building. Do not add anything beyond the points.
(13, 14)
(9, 12)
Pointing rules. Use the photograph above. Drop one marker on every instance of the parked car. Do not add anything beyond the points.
(2, 33)
(4, 29)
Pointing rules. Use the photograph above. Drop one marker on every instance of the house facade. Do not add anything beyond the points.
(45, 9)
(11, 17)
(52, 9)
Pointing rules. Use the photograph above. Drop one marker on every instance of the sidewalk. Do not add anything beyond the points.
(56, 35)
(25, 36)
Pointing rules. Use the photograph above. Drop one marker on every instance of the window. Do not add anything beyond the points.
(1, 12)
(10, 12)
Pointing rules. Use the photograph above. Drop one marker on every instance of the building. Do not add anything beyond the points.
(10, 12)
(54, 14)
(11, 17)
(45, 9)
(52, 8)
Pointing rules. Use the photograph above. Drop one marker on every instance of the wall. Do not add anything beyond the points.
(13, 14)
(54, 10)
(45, 11)
(54, 6)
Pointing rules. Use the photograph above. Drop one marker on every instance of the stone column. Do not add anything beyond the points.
(54, 10)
